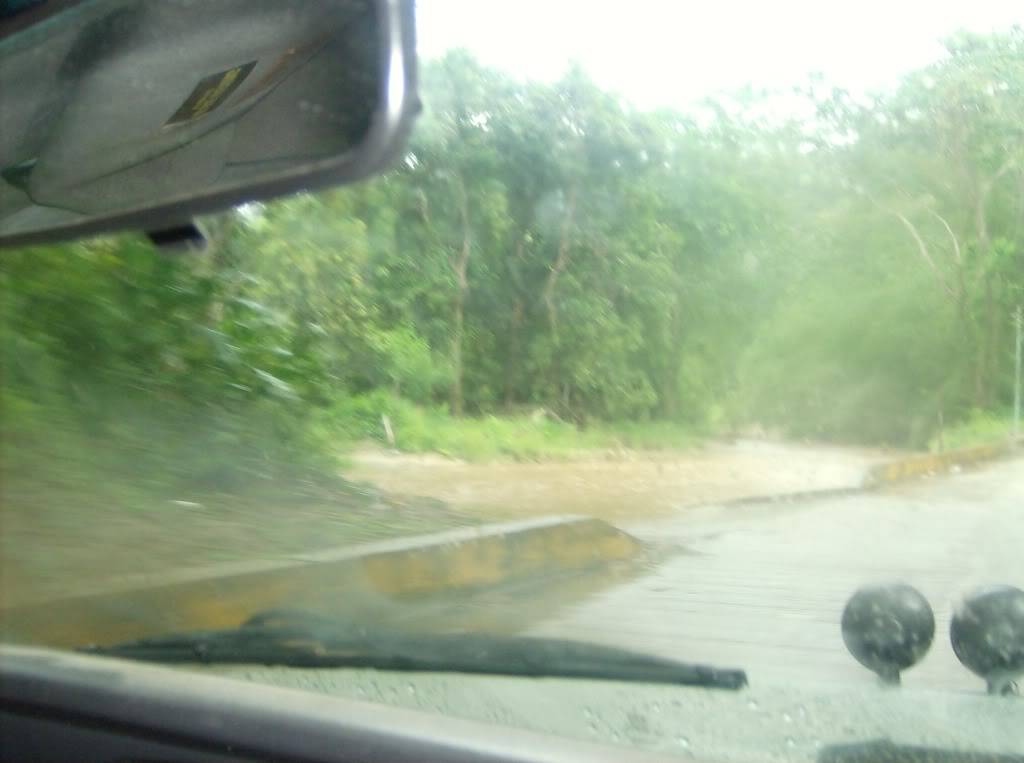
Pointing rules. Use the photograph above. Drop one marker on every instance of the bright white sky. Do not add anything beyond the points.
(674, 52)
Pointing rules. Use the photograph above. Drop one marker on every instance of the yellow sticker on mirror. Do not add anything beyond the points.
(210, 93)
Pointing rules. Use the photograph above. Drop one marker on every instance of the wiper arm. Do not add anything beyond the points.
(312, 642)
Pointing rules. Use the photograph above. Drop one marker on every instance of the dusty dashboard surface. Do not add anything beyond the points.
(762, 723)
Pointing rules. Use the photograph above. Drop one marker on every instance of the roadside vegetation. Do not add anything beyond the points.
(549, 270)
(980, 428)
(533, 435)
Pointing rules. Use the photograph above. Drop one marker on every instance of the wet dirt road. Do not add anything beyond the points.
(618, 487)
(762, 586)
(53, 550)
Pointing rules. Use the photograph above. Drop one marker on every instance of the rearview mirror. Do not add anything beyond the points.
(133, 114)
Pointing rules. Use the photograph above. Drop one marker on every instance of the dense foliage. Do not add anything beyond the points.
(809, 263)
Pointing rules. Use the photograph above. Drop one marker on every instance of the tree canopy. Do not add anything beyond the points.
(848, 275)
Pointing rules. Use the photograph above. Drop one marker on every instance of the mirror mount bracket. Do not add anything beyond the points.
(178, 239)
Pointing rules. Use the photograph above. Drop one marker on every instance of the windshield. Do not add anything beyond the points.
(693, 336)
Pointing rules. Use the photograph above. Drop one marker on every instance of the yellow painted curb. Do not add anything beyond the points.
(359, 583)
(932, 463)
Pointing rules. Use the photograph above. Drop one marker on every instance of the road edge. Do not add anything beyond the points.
(929, 464)
(360, 582)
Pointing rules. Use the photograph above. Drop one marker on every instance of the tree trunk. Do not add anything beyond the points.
(548, 298)
(561, 261)
(512, 352)
(460, 266)
(1018, 216)
(457, 331)
(989, 349)
(989, 319)
(669, 392)
(969, 338)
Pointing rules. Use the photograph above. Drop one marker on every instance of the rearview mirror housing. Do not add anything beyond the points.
(120, 114)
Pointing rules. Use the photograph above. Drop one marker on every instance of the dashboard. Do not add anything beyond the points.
(61, 706)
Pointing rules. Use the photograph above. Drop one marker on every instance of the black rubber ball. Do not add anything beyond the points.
(888, 628)
(987, 633)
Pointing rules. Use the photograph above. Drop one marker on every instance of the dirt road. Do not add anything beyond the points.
(54, 549)
(764, 585)
(618, 487)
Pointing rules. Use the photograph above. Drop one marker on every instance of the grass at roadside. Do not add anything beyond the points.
(526, 437)
(70, 524)
(143, 490)
(981, 428)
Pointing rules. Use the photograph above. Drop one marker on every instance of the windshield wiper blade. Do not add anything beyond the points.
(312, 642)
(884, 749)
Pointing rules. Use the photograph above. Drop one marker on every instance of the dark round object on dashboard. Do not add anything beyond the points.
(888, 628)
(987, 633)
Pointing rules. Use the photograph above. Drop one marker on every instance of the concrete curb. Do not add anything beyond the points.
(892, 472)
(932, 463)
(795, 497)
(362, 583)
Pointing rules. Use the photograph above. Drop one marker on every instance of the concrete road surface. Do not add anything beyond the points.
(762, 586)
